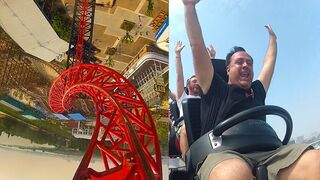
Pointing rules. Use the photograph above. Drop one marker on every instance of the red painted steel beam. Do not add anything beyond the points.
(126, 136)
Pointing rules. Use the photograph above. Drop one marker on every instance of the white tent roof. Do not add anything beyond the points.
(27, 26)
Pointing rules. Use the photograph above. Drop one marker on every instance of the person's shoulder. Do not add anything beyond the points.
(217, 86)
(256, 83)
(257, 87)
(184, 95)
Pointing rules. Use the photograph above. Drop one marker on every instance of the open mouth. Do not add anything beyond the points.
(244, 74)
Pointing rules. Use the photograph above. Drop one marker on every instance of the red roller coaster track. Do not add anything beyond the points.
(124, 133)
(122, 117)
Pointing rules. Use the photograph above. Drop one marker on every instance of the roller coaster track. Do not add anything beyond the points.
(134, 150)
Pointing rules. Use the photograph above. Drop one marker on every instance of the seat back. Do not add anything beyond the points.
(191, 106)
(174, 147)
(174, 110)
(191, 113)
(220, 68)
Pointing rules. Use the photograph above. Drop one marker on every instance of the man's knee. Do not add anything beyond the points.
(312, 159)
(231, 169)
(310, 164)
(306, 167)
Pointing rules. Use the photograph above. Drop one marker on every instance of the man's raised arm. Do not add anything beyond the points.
(202, 65)
(266, 73)
(179, 69)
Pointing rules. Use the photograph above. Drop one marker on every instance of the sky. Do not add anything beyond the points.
(226, 23)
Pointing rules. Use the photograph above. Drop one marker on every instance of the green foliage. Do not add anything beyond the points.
(160, 118)
(150, 8)
(46, 125)
(58, 17)
(162, 131)
(109, 62)
(50, 131)
(62, 25)
(111, 51)
(127, 39)
(20, 96)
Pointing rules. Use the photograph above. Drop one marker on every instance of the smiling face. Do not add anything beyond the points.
(193, 86)
(240, 70)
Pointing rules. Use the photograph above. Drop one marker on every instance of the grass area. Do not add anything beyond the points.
(49, 131)
(51, 125)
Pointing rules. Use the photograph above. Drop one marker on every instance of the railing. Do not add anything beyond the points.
(141, 53)
(85, 133)
(82, 133)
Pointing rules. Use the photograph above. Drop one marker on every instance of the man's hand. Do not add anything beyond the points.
(190, 2)
(271, 33)
(211, 51)
(266, 73)
(179, 70)
(179, 47)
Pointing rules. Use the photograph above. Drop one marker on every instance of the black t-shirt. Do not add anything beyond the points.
(224, 100)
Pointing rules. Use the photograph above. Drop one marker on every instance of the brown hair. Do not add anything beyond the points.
(232, 51)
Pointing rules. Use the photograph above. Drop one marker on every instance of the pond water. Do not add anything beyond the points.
(29, 153)
(17, 164)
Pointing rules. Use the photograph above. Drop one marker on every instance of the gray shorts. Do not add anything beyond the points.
(274, 160)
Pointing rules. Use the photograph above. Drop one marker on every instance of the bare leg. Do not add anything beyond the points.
(183, 141)
(306, 167)
(231, 169)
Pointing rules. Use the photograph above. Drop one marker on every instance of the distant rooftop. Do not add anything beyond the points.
(60, 116)
(77, 116)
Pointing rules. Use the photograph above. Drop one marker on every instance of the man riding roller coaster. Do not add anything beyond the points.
(220, 100)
